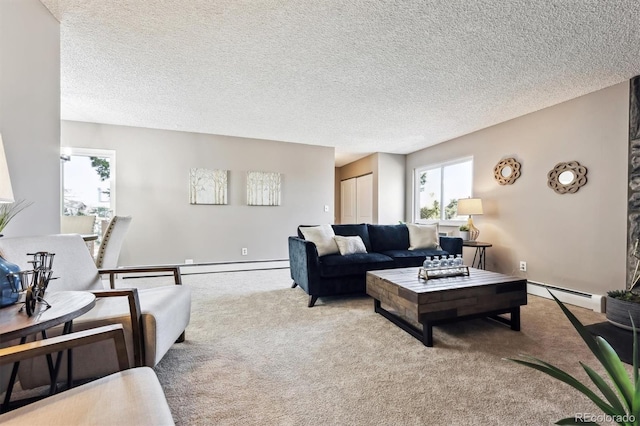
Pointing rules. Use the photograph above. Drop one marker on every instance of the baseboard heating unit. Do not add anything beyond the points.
(595, 302)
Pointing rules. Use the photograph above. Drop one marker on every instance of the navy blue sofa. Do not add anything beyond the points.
(334, 274)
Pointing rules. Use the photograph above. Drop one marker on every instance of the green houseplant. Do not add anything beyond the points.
(624, 305)
(464, 232)
(9, 210)
(621, 402)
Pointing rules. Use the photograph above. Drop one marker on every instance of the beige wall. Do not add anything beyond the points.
(152, 186)
(30, 112)
(576, 241)
(388, 172)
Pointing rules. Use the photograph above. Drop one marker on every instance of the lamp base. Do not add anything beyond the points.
(473, 231)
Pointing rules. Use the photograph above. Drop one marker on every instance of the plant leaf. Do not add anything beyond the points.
(604, 388)
(570, 380)
(608, 361)
(617, 372)
(574, 421)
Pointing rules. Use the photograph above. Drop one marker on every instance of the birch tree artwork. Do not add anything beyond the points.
(263, 189)
(208, 186)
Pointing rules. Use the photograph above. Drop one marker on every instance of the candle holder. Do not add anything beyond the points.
(33, 283)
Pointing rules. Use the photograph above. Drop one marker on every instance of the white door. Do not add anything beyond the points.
(364, 197)
(348, 201)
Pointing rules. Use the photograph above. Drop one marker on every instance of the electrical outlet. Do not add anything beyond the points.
(326, 208)
(523, 266)
(244, 251)
(188, 261)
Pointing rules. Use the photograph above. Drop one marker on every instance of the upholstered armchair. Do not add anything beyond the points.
(131, 396)
(153, 318)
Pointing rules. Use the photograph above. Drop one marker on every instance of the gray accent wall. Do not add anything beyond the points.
(152, 186)
(30, 112)
(576, 241)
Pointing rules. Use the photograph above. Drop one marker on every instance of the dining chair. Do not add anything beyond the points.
(77, 224)
(83, 225)
(112, 240)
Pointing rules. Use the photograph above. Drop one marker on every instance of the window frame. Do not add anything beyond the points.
(416, 190)
(89, 152)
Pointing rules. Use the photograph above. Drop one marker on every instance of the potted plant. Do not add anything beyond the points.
(9, 210)
(623, 305)
(619, 396)
(464, 232)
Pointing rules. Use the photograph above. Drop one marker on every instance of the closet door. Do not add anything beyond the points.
(364, 199)
(348, 201)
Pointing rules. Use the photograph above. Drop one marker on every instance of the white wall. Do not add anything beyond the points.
(575, 241)
(30, 112)
(391, 193)
(152, 186)
(389, 173)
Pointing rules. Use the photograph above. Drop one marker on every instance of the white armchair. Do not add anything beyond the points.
(153, 318)
(131, 396)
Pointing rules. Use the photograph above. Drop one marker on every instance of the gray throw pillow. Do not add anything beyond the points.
(350, 245)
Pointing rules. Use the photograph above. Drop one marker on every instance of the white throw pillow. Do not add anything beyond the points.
(423, 236)
(322, 237)
(350, 245)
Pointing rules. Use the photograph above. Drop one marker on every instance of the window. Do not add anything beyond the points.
(438, 188)
(88, 182)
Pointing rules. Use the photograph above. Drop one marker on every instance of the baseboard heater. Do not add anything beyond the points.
(595, 302)
(216, 267)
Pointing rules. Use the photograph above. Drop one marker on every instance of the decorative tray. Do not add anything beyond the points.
(442, 272)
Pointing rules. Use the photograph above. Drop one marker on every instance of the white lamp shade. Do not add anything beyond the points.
(469, 206)
(6, 193)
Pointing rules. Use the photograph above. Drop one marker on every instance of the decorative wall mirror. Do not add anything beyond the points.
(507, 171)
(567, 177)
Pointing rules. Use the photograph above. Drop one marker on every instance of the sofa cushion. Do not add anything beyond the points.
(410, 258)
(322, 237)
(350, 245)
(423, 236)
(335, 265)
(352, 230)
(388, 237)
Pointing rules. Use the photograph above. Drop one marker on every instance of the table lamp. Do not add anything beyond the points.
(470, 206)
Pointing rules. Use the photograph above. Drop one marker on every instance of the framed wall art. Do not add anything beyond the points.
(264, 188)
(207, 186)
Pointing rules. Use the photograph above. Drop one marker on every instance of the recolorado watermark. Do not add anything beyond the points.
(598, 418)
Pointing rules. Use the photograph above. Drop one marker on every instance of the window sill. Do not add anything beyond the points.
(452, 223)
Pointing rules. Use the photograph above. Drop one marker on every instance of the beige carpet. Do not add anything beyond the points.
(256, 355)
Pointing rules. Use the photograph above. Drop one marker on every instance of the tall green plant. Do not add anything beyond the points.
(9, 210)
(622, 400)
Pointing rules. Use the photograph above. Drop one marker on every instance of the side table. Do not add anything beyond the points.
(65, 306)
(480, 253)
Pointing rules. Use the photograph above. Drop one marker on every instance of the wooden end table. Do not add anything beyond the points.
(65, 306)
(408, 299)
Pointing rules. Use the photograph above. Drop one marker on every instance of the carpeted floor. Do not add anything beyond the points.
(256, 355)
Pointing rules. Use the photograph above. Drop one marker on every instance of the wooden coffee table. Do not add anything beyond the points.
(407, 298)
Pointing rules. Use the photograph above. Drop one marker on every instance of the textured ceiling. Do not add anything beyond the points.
(360, 75)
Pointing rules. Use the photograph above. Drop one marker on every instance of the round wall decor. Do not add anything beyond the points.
(507, 171)
(567, 177)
